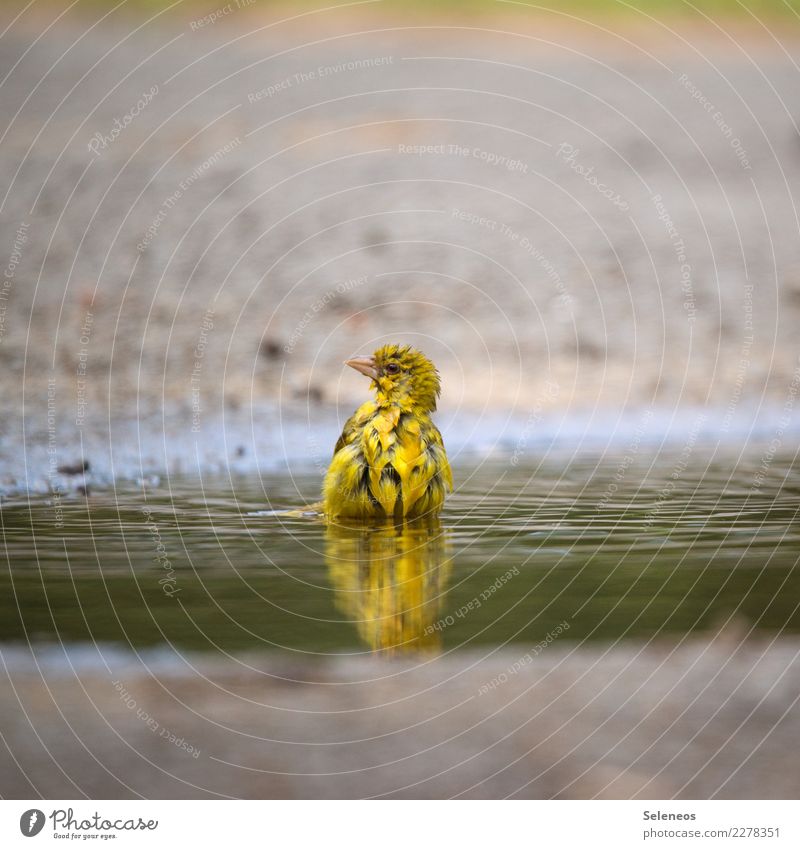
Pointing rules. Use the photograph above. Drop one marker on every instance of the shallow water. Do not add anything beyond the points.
(567, 549)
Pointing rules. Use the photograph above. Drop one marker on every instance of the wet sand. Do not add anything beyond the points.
(701, 719)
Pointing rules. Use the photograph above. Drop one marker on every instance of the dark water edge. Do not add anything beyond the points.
(565, 549)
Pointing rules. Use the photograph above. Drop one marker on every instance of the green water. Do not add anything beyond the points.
(611, 548)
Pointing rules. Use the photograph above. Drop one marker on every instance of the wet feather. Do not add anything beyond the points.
(390, 460)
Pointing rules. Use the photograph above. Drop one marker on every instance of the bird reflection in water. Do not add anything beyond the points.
(390, 581)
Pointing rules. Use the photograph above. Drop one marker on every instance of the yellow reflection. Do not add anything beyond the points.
(390, 581)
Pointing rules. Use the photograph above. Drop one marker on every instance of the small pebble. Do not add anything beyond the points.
(270, 349)
(74, 468)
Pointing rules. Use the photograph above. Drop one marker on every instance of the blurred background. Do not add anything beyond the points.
(579, 213)
(585, 213)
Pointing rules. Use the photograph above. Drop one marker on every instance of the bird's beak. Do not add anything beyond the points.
(366, 365)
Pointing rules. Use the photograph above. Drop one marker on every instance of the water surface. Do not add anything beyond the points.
(586, 549)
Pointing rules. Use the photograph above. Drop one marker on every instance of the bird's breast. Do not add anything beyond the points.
(391, 465)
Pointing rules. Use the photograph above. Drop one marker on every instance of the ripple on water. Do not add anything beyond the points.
(522, 549)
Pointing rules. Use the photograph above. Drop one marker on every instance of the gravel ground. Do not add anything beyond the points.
(704, 719)
(202, 219)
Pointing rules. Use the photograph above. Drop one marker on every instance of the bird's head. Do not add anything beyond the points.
(402, 376)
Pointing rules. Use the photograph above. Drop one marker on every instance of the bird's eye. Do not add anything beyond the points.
(392, 368)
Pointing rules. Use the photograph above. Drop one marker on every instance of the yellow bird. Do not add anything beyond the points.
(390, 460)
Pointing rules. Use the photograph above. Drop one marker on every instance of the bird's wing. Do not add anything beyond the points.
(354, 425)
(435, 438)
(420, 460)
